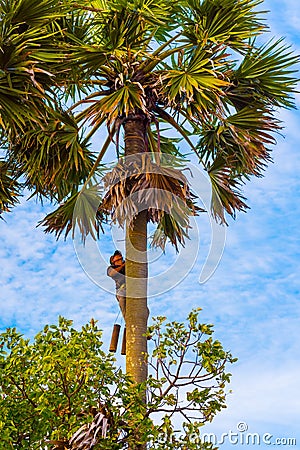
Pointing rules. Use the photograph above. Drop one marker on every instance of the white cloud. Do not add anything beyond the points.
(283, 17)
(265, 398)
(42, 279)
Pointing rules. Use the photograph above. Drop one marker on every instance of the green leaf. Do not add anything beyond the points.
(9, 188)
(225, 22)
(225, 191)
(266, 75)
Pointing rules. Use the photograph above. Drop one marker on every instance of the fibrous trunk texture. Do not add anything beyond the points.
(136, 299)
(136, 267)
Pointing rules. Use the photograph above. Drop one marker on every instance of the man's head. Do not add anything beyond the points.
(116, 259)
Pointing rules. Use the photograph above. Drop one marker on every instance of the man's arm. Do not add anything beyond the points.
(119, 268)
(111, 271)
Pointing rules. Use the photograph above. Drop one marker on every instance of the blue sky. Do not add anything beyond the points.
(252, 298)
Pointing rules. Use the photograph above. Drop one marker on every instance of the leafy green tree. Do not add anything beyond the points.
(201, 67)
(62, 390)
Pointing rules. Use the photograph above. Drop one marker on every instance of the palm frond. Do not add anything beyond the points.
(140, 184)
(127, 99)
(89, 434)
(86, 437)
(78, 211)
(228, 22)
(61, 219)
(28, 53)
(90, 58)
(54, 159)
(226, 195)
(265, 76)
(9, 188)
(242, 140)
(234, 150)
(178, 127)
(31, 12)
(133, 16)
(174, 226)
(198, 82)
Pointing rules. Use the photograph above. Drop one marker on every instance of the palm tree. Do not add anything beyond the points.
(199, 67)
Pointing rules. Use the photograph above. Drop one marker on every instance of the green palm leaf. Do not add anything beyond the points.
(54, 159)
(78, 211)
(9, 188)
(125, 100)
(30, 12)
(198, 77)
(264, 76)
(241, 140)
(233, 150)
(228, 22)
(226, 195)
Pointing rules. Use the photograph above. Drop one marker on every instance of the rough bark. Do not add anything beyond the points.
(136, 299)
(136, 268)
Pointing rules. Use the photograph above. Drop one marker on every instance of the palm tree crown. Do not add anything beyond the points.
(67, 68)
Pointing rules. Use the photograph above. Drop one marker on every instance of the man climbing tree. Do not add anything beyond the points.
(116, 271)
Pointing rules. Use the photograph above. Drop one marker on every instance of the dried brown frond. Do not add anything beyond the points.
(87, 436)
(138, 184)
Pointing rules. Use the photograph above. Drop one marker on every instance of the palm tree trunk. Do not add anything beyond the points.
(136, 298)
(136, 268)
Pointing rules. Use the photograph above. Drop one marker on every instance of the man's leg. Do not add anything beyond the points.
(122, 304)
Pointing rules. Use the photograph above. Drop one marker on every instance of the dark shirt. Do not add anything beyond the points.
(118, 277)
